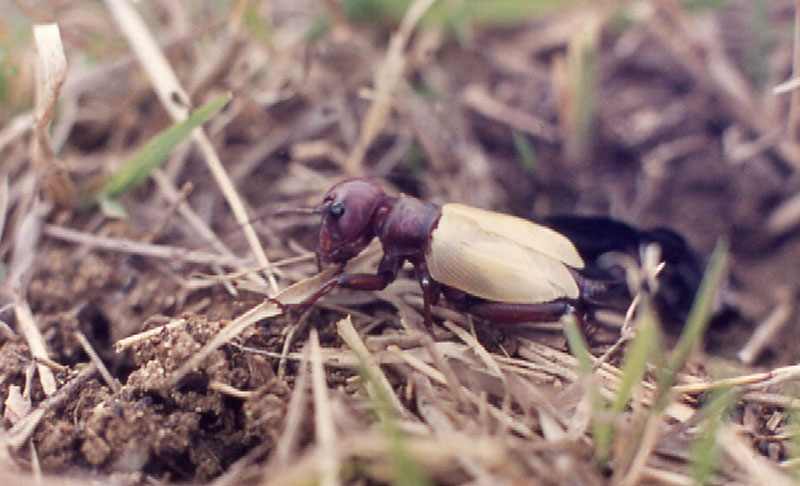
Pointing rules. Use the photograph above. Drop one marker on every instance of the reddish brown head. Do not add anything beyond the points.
(347, 219)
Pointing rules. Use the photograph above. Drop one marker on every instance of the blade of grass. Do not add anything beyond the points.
(406, 470)
(525, 150)
(697, 321)
(456, 13)
(580, 71)
(640, 351)
(325, 430)
(51, 71)
(387, 77)
(643, 347)
(577, 345)
(793, 445)
(602, 426)
(155, 151)
(705, 451)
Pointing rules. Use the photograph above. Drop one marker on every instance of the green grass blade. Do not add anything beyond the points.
(577, 345)
(111, 207)
(697, 321)
(405, 469)
(156, 150)
(602, 424)
(485, 12)
(643, 347)
(525, 151)
(705, 450)
(793, 445)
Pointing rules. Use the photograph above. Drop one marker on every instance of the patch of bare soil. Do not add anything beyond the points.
(652, 113)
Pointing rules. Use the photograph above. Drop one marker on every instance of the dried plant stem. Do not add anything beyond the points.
(294, 416)
(16, 128)
(760, 471)
(129, 341)
(780, 374)
(323, 416)
(768, 328)
(3, 201)
(51, 71)
(227, 389)
(349, 334)
(386, 80)
(89, 349)
(172, 195)
(30, 330)
(479, 99)
(645, 448)
(123, 245)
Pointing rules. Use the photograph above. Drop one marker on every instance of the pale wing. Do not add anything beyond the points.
(483, 264)
(521, 231)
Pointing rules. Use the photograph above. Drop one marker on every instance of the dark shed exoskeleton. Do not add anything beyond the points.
(496, 266)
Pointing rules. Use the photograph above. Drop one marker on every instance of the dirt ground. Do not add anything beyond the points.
(659, 113)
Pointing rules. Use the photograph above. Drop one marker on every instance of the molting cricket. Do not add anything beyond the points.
(492, 265)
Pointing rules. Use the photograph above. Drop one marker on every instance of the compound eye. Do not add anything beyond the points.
(337, 210)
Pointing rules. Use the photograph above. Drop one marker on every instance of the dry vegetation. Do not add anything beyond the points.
(141, 350)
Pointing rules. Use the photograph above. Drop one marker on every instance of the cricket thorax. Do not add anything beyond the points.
(407, 226)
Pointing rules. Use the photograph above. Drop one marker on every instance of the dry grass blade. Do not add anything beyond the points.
(350, 336)
(784, 217)
(16, 128)
(435, 350)
(477, 347)
(51, 71)
(768, 328)
(787, 86)
(387, 78)
(761, 379)
(759, 470)
(152, 59)
(479, 99)
(3, 201)
(205, 233)
(129, 341)
(646, 445)
(36, 343)
(418, 364)
(323, 417)
(295, 412)
(123, 245)
(26, 242)
(89, 349)
(176, 101)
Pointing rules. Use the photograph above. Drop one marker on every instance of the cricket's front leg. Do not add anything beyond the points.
(387, 272)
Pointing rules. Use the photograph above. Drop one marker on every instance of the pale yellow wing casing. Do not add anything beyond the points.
(500, 257)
